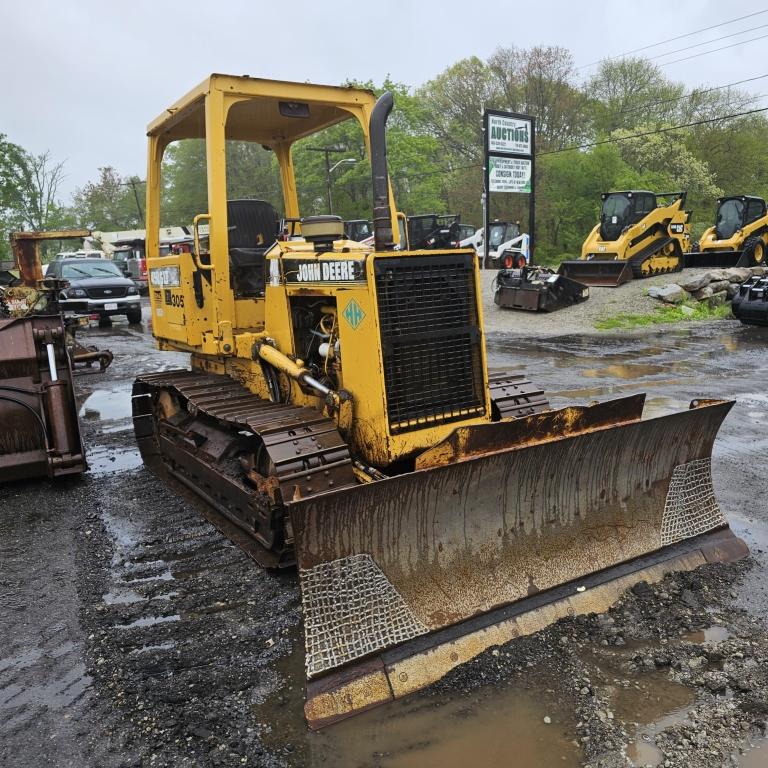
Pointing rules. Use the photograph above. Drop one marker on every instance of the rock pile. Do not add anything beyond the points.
(715, 286)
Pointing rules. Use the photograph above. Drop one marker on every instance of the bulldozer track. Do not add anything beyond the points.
(513, 396)
(306, 454)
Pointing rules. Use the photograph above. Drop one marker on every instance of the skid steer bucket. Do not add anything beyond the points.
(717, 259)
(597, 272)
(501, 529)
(39, 431)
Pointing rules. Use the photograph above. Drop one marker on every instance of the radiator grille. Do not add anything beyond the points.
(106, 293)
(430, 339)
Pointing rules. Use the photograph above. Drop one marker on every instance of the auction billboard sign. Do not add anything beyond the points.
(509, 174)
(510, 161)
(509, 135)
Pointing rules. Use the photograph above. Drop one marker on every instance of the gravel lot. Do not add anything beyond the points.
(133, 634)
(630, 298)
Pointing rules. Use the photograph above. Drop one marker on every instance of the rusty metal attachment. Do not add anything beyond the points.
(537, 289)
(39, 431)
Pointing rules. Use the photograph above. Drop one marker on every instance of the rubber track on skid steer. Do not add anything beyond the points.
(636, 262)
(308, 453)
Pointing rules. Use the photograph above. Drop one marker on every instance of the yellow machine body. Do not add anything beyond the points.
(640, 234)
(338, 413)
(739, 236)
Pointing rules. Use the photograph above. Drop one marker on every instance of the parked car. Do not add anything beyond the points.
(96, 286)
(133, 263)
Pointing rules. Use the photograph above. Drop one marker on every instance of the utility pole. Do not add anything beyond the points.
(132, 183)
(327, 151)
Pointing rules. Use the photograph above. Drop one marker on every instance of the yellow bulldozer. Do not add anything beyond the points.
(640, 234)
(739, 237)
(338, 414)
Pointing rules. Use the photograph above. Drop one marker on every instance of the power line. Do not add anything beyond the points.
(691, 94)
(714, 50)
(672, 39)
(650, 133)
(708, 42)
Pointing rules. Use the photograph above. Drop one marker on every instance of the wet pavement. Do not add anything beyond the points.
(132, 633)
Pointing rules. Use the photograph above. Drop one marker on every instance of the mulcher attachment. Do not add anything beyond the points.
(537, 289)
(750, 304)
(406, 577)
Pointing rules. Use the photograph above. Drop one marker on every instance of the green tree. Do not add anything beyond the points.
(541, 81)
(29, 187)
(109, 204)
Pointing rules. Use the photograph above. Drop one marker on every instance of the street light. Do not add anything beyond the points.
(346, 160)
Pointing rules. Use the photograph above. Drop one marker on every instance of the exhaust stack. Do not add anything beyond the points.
(382, 213)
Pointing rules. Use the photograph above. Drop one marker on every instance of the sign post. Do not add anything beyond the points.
(509, 148)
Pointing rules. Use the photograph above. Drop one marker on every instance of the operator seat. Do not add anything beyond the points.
(253, 228)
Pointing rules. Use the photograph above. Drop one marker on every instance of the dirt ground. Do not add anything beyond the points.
(133, 634)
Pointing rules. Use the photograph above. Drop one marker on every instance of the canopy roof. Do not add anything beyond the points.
(264, 111)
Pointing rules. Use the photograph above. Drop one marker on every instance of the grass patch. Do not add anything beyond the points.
(667, 313)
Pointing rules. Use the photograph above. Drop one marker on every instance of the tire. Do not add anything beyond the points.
(513, 261)
(134, 316)
(755, 249)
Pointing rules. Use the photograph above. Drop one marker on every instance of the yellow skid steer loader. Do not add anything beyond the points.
(640, 234)
(338, 414)
(739, 237)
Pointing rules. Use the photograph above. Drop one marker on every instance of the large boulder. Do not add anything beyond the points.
(716, 299)
(703, 293)
(693, 284)
(719, 285)
(732, 290)
(716, 274)
(759, 271)
(670, 293)
(737, 274)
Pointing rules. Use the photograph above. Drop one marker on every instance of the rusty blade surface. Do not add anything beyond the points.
(388, 561)
(596, 272)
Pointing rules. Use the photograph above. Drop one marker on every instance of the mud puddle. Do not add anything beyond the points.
(485, 728)
(104, 459)
(752, 595)
(713, 634)
(149, 621)
(108, 404)
(756, 755)
(484, 731)
(646, 702)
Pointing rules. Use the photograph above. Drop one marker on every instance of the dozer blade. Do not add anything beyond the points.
(716, 259)
(600, 273)
(501, 530)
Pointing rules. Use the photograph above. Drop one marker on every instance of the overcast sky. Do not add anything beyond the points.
(84, 77)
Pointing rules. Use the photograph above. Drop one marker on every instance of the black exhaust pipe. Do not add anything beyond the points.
(382, 213)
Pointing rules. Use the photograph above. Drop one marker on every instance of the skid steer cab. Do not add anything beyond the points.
(338, 414)
(640, 234)
(739, 237)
